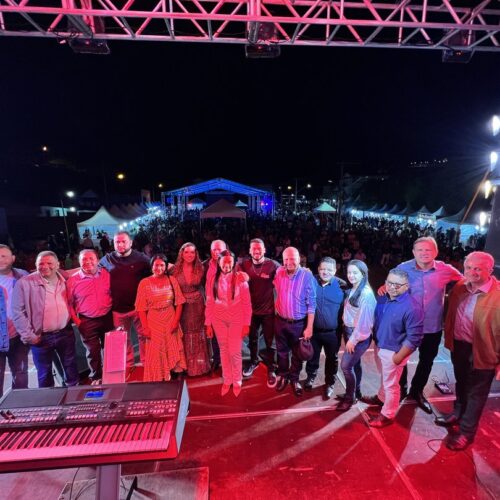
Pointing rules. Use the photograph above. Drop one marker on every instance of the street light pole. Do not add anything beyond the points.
(69, 194)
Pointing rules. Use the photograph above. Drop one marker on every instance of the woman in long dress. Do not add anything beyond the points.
(189, 273)
(159, 303)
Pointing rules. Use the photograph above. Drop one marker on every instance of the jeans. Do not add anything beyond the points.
(17, 355)
(427, 352)
(472, 388)
(92, 332)
(351, 367)
(126, 320)
(287, 338)
(267, 323)
(329, 340)
(62, 344)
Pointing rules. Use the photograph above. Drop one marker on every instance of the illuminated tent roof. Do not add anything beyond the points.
(102, 220)
(325, 208)
(217, 183)
(222, 208)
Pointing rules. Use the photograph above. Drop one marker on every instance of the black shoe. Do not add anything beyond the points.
(297, 389)
(281, 384)
(457, 442)
(372, 400)
(344, 405)
(402, 396)
(341, 397)
(215, 365)
(358, 395)
(380, 421)
(422, 402)
(308, 384)
(328, 391)
(248, 371)
(447, 420)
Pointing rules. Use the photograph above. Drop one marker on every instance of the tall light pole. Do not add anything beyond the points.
(69, 194)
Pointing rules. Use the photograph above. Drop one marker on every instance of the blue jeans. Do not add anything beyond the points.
(17, 355)
(62, 344)
(351, 367)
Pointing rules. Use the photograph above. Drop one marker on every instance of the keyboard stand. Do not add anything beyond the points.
(114, 372)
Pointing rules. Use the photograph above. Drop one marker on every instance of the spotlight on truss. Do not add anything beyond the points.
(89, 46)
(457, 50)
(262, 41)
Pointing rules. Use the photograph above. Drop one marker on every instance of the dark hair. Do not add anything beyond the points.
(257, 240)
(159, 256)
(197, 264)
(124, 232)
(400, 273)
(328, 260)
(2, 245)
(363, 268)
(224, 253)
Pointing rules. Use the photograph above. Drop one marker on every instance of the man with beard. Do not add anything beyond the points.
(261, 272)
(127, 267)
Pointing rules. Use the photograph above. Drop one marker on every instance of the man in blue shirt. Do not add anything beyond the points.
(398, 331)
(295, 305)
(329, 300)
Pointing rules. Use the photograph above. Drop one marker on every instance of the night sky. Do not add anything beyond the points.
(175, 113)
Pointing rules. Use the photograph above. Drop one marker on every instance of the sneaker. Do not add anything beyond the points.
(272, 379)
(248, 371)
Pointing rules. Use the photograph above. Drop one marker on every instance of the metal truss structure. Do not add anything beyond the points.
(424, 24)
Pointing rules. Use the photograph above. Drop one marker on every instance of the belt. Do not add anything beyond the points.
(287, 320)
(80, 315)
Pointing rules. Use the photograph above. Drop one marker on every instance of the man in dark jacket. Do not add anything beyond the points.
(329, 300)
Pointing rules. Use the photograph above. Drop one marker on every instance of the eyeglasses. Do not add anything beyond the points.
(397, 286)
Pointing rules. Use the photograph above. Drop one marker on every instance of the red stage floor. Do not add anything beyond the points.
(269, 445)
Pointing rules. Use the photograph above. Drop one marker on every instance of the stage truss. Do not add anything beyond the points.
(422, 24)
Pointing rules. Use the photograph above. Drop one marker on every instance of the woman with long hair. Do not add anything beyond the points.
(159, 303)
(228, 312)
(189, 273)
(358, 318)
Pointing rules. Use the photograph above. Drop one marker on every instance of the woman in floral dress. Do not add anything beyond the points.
(189, 274)
(159, 303)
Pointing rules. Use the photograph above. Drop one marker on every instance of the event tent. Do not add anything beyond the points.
(222, 208)
(102, 220)
(325, 208)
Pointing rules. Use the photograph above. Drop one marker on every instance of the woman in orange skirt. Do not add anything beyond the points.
(159, 304)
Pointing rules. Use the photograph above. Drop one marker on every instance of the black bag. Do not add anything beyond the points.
(304, 350)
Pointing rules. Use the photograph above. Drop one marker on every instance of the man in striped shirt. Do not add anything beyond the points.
(295, 305)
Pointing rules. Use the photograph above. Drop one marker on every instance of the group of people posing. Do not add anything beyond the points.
(191, 316)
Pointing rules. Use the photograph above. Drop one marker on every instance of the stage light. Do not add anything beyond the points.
(487, 189)
(495, 125)
(482, 219)
(493, 160)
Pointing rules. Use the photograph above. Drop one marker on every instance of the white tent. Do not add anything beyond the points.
(222, 208)
(325, 208)
(102, 220)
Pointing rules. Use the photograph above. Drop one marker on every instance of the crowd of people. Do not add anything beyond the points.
(190, 315)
